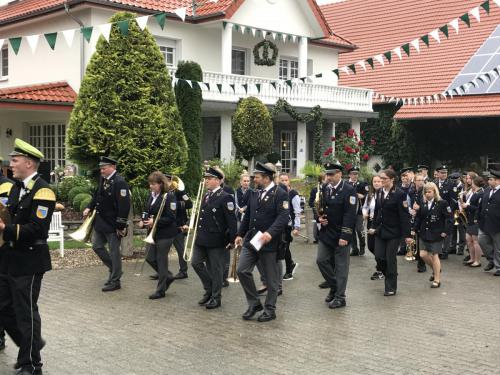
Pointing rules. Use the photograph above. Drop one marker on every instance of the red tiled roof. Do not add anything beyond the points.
(56, 92)
(378, 26)
(335, 40)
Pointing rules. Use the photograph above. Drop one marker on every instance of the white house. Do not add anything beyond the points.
(38, 85)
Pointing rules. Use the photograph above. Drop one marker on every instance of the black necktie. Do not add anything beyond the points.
(261, 194)
(207, 197)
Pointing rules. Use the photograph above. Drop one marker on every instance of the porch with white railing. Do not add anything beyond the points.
(300, 94)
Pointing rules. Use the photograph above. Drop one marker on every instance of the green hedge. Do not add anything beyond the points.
(79, 198)
(77, 190)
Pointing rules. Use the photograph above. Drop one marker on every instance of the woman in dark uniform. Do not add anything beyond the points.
(165, 232)
(432, 223)
(368, 210)
(470, 206)
(391, 224)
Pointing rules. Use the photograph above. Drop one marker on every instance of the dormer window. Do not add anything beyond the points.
(4, 62)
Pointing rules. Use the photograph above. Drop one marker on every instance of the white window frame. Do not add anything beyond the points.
(492, 162)
(245, 51)
(4, 50)
(289, 61)
(50, 139)
(288, 151)
(163, 44)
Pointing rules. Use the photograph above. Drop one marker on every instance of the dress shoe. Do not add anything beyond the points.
(473, 265)
(377, 275)
(355, 253)
(323, 285)
(489, 267)
(266, 317)
(280, 292)
(443, 256)
(422, 269)
(435, 284)
(225, 283)
(467, 258)
(213, 303)
(153, 277)
(390, 293)
(287, 276)
(336, 304)
(157, 295)
(497, 273)
(252, 310)
(362, 251)
(181, 275)
(111, 287)
(262, 290)
(330, 297)
(168, 283)
(204, 299)
(29, 371)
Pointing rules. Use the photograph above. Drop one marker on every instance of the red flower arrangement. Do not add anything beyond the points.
(349, 149)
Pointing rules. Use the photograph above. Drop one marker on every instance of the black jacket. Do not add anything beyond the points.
(241, 200)
(489, 212)
(166, 226)
(217, 221)
(340, 207)
(269, 215)
(392, 218)
(449, 191)
(362, 188)
(29, 229)
(112, 204)
(184, 203)
(429, 224)
(472, 208)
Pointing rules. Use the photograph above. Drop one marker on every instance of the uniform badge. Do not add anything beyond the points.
(123, 192)
(185, 197)
(285, 205)
(448, 209)
(230, 206)
(455, 189)
(173, 206)
(405, 204)
(352, 200)
(214, 210)
(42, 212)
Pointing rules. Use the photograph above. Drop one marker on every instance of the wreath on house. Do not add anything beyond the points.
(265, 59)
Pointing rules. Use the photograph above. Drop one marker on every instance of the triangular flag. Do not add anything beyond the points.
(388, 56)
(345, 70)
(284, 38)
(362, 64)
(475, 13)
(258, 85)
(294, 38)
(181, 13)
(486, 6)
(33, 41)
(397, 51)
(406, 48)
(435, 35)
(319, 75)
(370, 62)
(474, 82)
(219, 87)
(189, 82)
(160, 18)
(1, 42)
(336, 71)
(253, 31)
(273, 84)
(303, 79)
(87, 32)
(50, 37)
(232, 86)
(380, 59)
(69, 35)
(353, 68)
(243, 28)
(289, 83)
(15, 43)
(465, 17)
(454, 24)
(444, 30)
(274, 35)
(245, 87)
(142, 22)
(436, 97)
(208, 85)
(105, 30)
(123, 26)
(224, 24)
(425, 39)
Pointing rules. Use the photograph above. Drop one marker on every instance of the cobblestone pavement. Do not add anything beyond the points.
(451, 330)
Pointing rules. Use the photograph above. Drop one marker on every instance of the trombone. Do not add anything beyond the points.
(149, 239)
(84, 232)
(193, 223)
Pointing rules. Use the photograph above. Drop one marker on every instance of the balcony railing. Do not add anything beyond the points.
(300, 94)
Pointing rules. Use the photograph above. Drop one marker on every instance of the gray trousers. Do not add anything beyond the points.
(179, 241)
(208, 263)
(385, 255)
(158, 259)
(248, 259)
(490, 244)
(260, 268)
(333, 264)
(358, 233)
(111, 259)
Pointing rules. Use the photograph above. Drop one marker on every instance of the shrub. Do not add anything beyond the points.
(84, 203)
(68, 183)
(139, 196)
(77, 190)
(78, 199)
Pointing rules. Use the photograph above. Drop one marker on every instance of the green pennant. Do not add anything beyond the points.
(303, 79)
(219, 87)
(15, 43)
(123, 26)
(336, 71)
(208, 85)
(87, 32)
(406, 48)
(236, 27)
(245, 87)
(352, 67)
(370, 62)
(224, 24)
(160, 18)
(319, 75)
(273, 84)
(465, 17)
(486, 6)
(289, 83)
(425, 39)
(444, 30)
(388, 56)
(51, 39)
(232, 86)
(258, 85)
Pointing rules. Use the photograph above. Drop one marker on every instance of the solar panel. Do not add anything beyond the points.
(484, 60)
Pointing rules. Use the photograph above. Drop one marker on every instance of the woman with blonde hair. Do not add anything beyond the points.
(432, 223)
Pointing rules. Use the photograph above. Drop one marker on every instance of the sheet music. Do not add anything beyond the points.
(256, 241)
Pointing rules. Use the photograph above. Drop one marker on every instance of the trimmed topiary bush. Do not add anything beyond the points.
(77, 190)
(84, 203)
(68, 183)
(77, 200)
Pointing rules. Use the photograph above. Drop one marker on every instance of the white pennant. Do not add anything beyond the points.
(450, 93)
(421, 100)
(435, 35)
(1, 42)
(382, 97)
(380, 59)
(142, 21)
(253, 31)
(391, 99)
(397, 51)
(454, 24)
(497, 2)
(105, 30)
(436, 97)
(189, 83)
(362, 64)
(345, 70)
(181, 13)
(474, 82)
(459, 91)
(284, 37)
(294, 38)
(475, 13)
(274, 36)
(243, 28)
(428, 99)
(69, 35)
(33, 41)
(175, 80)
(416, 44)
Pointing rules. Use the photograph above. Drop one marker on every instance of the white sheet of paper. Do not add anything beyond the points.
(256, 241)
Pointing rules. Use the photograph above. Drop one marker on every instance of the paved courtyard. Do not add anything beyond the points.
(451, 330)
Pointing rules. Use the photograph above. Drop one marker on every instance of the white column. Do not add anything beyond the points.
(226, 140)
(303, 56)
(333, 135)
(356, 125)
(227, 47)
(301, 147)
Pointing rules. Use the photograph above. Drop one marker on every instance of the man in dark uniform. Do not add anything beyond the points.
(267, 213)
(112, 204)
(416, 201)
(361, 188)
(408, 187)
(227, 255)
(26, 255)
(241, 197)
(340, 205)
(449, 192)
(424, 171)
(215, 234)
(457, 244)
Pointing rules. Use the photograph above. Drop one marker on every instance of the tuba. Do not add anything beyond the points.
(84, 232)
(177, 184)
(193, 224)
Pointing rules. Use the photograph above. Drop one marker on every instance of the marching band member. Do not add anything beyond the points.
(242, 194)
(227, 255)
(361, 189)
(424, 171)
(368, 215)
(416, 200)
(293, 226)
(406, 184)
(472, 200)
(449, 192)
(457, 231)
(432, 224)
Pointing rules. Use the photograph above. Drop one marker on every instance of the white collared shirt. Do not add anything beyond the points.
(111, 175)
(429, 204)
(25, 184)
(265, 190)
(155, 197)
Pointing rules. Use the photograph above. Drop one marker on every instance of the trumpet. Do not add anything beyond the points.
(411, 249)
(193, 224)
(459, 216)
(84, 232)
(233, 276)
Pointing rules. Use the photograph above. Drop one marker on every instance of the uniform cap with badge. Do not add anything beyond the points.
(442, 168)
(405, 170)
(213, 172)
(106, 160)
(353, 169)
(494, 173)
(23, 148)
(267, 169)
(422, 166)
(332, 168)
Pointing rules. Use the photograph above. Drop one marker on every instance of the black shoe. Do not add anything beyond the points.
(288, 276)
(443, 256)
(362, 251)
(422, 269)
(452, 251)
(315, 241)
(2, 343)
(390, 293)
(168, 283)
(466, 259)
(204, 299)
(330, 297)
(489, 267)
(213, 303)
(323, 285)
(355, 253)
(401, 252)
(181, 275)
(111, 287)
(336, 303)
(29, 371)
(157, 295)
(225, 284)
(153, 277)
(262, 290)
(252, 310)
(280, 292)
(497, 273)
(266, 317)
(377, 275)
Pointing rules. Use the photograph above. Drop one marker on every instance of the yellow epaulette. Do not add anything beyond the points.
(45, 194)
(5, 188)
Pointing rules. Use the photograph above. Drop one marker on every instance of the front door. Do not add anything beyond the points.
(288, 151)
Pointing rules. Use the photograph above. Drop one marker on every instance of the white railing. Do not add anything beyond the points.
(300, 94)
